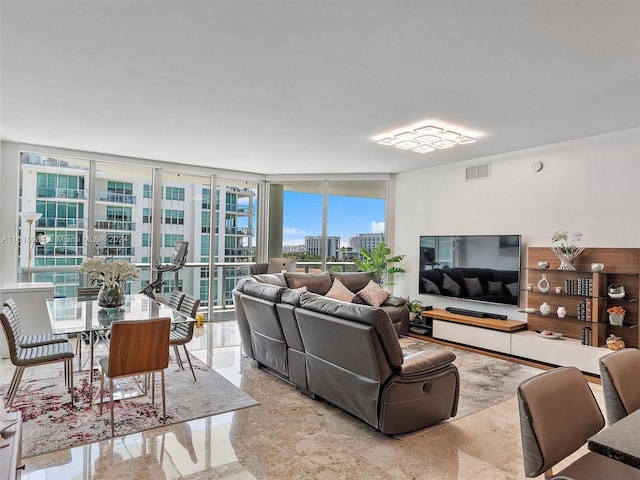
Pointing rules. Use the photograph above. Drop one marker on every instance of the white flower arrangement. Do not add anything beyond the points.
(564, 246)
(102, 271)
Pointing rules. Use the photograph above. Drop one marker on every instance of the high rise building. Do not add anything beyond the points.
(313, 245)
(365, 240)
(121, 212)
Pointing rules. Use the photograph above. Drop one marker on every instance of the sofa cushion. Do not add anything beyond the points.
(271, 278)
(473, 286)
(513, 288)
(450, 285)
(319, 283)
(429, 287)
(373, 294)
(339, 292)
(291, 296)
(265, 291)
(495, 288)
(354, 281)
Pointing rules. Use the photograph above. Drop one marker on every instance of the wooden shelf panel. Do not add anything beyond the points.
(490, 323)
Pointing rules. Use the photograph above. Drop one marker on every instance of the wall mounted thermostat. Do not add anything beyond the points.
(537, 166)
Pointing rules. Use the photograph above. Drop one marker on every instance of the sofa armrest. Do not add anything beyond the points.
(395, 301)
(427, 361)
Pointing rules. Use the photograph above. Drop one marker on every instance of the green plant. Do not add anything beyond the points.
(379, 261)
(414, 306)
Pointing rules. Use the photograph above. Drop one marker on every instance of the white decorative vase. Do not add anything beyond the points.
(561, 312)
(616, 319)
(545, 309)
(567, 258)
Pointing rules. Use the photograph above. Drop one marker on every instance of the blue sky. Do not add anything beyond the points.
(348, 216)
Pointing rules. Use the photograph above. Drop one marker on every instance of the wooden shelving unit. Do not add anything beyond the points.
(622, 266)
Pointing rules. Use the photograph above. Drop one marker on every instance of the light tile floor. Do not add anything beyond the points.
(290, 436)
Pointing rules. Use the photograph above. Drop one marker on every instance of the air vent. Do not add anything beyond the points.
(478, 172)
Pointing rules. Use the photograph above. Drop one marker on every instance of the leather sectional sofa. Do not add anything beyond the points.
(345, 353)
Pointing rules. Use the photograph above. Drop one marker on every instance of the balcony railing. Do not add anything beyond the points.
(225, 276)
(115, 225)
(238, 231)
(72, 193)
(115, 197)
(116, 251)
(60, 222)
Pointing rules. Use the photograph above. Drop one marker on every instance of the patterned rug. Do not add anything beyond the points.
(50, 423)
(484, 380)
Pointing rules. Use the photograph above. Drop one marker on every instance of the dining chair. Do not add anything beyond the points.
(558, 414)
(23, 357)
(183, 332)
(619, 375)
(138, 347)
(175, 300)
(34, 340)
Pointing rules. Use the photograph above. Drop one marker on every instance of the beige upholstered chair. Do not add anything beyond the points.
(37, 339)
(183, 332)
(558, 414)
(138, 347)
(23, 357)
(619, 374)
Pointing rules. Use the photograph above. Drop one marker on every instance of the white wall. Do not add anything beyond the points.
(588, 185)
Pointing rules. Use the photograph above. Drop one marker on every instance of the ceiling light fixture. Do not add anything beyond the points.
(426, 137)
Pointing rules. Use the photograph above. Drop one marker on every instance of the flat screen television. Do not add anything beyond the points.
(482, 268)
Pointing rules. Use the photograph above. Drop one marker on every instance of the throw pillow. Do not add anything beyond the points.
(495, 288)
(339, 292)
(319, 283)
(373, 294)
(513, 288)
(473, 286)
(429, 287)
(450, 285)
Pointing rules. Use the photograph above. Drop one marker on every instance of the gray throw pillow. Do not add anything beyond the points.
(473, 286)
(450, 285)
(429, 287)
(495, 288)
(513, 288)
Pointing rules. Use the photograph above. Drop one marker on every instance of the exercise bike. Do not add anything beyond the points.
(178, 261)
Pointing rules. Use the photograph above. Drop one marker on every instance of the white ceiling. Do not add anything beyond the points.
(275, 86)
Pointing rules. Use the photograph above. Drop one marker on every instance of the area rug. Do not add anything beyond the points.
(484, 380)
(50, 423)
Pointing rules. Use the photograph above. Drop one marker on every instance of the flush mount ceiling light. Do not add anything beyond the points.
(426, 137)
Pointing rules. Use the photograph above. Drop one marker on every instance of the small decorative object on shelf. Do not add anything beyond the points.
(616, 290)
(566, 251)
(558, 289)
(615, 343)
(616, 315)
(545, 308)
(530, 287)
(415, 308)
(543, 265)
(597, 267)
(561, 312)
(543, 284)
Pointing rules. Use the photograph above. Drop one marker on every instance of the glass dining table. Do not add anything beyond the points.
(83, 316)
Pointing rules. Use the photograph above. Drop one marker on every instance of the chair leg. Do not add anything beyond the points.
(111, 403)
(164, 404)
(153, 388)
(69, 365)
(178, 359)
(15, 382)
(101, 390)
(189, 360)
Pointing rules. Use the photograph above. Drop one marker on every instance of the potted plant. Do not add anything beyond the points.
(415, 307)
(379, 261)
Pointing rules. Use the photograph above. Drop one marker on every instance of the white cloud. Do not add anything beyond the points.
(377, 227)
